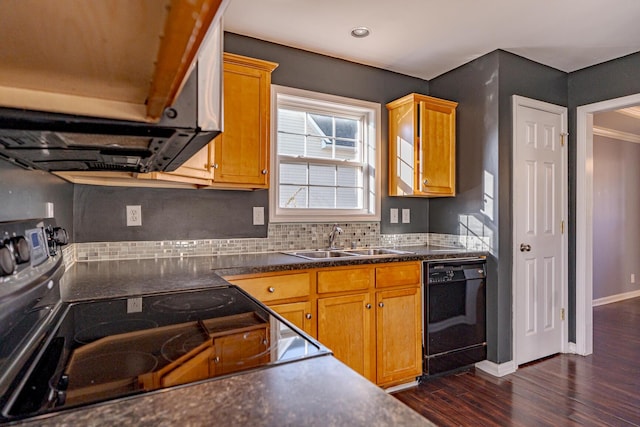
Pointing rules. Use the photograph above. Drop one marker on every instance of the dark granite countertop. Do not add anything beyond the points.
(107, 279)
(315, 392)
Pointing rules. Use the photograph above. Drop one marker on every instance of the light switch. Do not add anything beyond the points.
(406, 216)
(393, 215)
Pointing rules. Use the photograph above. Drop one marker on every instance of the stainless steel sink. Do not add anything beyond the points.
(342, 253)
(320, 254)
(377, 252)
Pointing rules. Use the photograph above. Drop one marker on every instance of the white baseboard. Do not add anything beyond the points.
(572, 348)
(616, 298)
(401, 387)
(497, 369)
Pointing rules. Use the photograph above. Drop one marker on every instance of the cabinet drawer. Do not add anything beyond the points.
(398, 275)
(350, 279)
(271, 288)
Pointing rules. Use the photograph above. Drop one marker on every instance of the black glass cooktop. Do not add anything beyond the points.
(108, 349)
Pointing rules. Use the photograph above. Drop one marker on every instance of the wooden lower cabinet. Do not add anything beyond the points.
(369, 316)
(345, 326)
(298, 313)
(398, 333)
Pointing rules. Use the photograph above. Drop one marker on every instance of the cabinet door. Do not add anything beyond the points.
(344, 326)
(398, 328)
(298, 313)
(198, 166)
(241, 152)
(437, 149)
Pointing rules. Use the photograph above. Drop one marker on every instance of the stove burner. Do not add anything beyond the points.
(112, 366)
(105, 329)
(180, 344)
(194, 303)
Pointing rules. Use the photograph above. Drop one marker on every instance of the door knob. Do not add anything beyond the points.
(525, 248)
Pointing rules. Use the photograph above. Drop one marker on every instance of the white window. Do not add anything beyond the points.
(326, 157)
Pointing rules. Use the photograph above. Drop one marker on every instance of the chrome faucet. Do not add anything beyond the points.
(332, 236)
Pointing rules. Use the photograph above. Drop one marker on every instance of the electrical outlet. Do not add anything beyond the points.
(134, 215)
(134, 305)
(393, 215)
(633, 278)
(258, 215)
(406, 216)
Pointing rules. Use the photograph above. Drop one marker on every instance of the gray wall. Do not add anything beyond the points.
(24, 194)
(305, 70)
(609, 80)
(484, 88)
(616, 209)
(202, 214)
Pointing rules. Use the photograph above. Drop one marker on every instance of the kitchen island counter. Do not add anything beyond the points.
(314, 392)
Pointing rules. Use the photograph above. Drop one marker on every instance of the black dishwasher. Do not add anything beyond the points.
(454, 310)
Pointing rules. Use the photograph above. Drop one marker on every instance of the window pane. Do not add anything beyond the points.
(293, 174)
(347, 128)
(322, 197)
(320, 148)
(291, 121)
(292, 145)
(348, 150)
(349, 198)
(293, 196)
(322, 175)
(349, 176)
(320, 125)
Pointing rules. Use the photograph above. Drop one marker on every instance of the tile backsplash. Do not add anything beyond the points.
(281, 237)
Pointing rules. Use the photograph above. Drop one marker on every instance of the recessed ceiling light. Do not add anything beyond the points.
(360, 32)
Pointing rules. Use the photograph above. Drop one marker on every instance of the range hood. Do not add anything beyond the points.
(62, 142)
(154, 128)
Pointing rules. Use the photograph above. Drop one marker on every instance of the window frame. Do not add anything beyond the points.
(333, 105)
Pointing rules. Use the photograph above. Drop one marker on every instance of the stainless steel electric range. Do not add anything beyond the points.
(56, 356)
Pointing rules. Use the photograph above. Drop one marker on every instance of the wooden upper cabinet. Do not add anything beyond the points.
(104, 58)
(241, 153)
(422, 146)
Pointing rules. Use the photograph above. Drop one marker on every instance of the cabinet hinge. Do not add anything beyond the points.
(562, 314)
(562, 226)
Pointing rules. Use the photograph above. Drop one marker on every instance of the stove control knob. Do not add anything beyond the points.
(21, 249)
(60, 236)
(7, 261)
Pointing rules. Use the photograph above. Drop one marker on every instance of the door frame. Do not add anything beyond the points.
(518, 101)
(584, 216)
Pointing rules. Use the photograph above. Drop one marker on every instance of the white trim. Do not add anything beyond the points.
(562, 112)
(401, 387)
(497, 369)
(584, 216)
(572, 348)
(616, 298)
(616, 134)
(320, 101)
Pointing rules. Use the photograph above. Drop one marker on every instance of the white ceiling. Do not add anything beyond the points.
(425, 38)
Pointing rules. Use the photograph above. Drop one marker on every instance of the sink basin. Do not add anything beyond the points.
(341, 253)
(320, 254)
(377, 252)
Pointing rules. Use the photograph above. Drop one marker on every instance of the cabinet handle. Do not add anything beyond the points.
(264, 171)
(368, 306)
(271, 289)
(215, 166)
(216, 359)
(308, 316)
(380, 304)
(426, 182)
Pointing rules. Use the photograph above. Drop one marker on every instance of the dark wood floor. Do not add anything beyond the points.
(602, 389)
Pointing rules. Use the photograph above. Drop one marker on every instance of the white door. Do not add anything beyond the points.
(540, 183)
